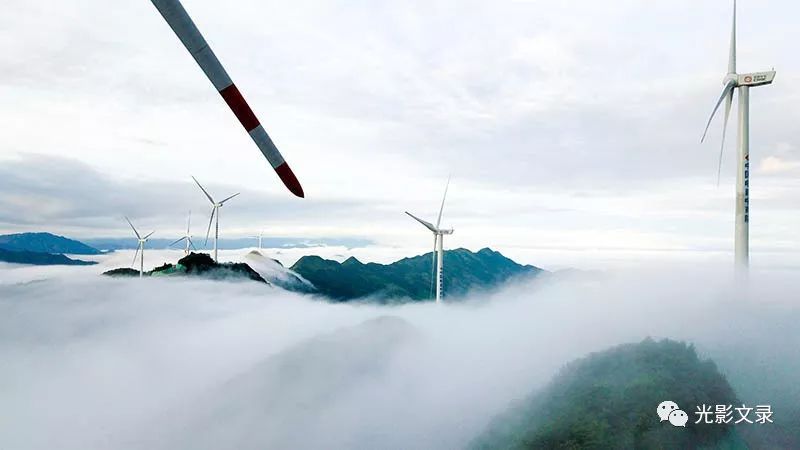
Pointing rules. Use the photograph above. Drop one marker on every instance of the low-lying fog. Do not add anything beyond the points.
(92, 362)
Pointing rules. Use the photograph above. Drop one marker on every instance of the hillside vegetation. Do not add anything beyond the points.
(410, 278)
(196, 265)
(608, 400)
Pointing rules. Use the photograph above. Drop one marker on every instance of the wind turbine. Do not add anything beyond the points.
(139, 248)
(186, 237)
(178, 19)
(437, 257)
(259, 237)
(214, 212)
(742, 82)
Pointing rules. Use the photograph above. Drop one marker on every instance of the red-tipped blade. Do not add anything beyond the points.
(288, 178)
(183, 26)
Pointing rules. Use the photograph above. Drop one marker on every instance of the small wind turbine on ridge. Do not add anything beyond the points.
(260, 236)
(215, 206)
(437, 257)
(139, 248)
(186, 237)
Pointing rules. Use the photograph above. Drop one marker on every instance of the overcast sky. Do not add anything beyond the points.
(569, 125)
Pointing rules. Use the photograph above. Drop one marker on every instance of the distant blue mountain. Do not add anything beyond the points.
(40, 258)
(44, 243)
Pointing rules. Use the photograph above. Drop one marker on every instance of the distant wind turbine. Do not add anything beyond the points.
(743, 82)
(259, 237)
(437, 257)
(139, 248)
(215, 206)
(186, 237)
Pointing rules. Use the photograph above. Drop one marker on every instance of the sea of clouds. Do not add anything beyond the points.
(94, 362)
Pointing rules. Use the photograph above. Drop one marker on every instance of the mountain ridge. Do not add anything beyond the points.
(195, 265)
(44, 242)
(410, 277)
(40, 258)
(608, 400)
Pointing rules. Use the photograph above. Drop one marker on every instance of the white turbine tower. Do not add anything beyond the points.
(742, 82)
(437, 257)
(139, 248)
(215, 206)
(186, 237)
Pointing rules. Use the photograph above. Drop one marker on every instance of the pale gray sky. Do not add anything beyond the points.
(566, 125)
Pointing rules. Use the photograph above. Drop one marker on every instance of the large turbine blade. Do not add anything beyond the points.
(183, 26)
(179, 240)
(732, 52)
(234, 195)
(189, 223)
(428, 225)
(439, 220)
(728, 102)
(210, 221)
(151, 233)
(133, 228)
(138, 245)
(729, 86)
(191, 243)
(204, 191)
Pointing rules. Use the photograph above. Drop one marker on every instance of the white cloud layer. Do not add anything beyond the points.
(125, 364)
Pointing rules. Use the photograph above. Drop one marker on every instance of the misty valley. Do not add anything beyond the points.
(248, 353)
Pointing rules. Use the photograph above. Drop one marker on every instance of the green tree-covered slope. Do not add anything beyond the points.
(608, 400)
(409, 277)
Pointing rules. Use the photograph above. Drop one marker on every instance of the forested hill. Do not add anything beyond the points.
(609, 400)
(410, 278)
(39, 258)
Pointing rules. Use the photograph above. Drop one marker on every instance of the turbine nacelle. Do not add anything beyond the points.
(755, 79)
(142, 240)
